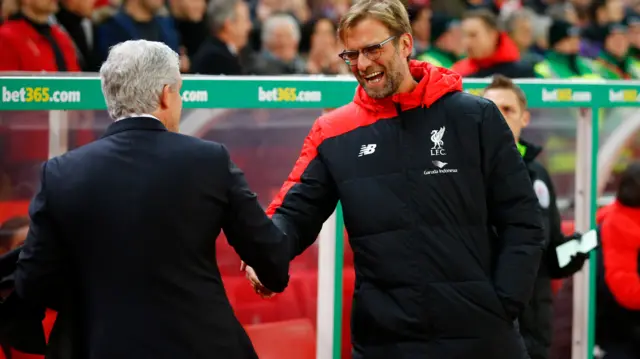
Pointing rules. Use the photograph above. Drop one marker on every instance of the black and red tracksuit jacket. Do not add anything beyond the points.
(441, 214)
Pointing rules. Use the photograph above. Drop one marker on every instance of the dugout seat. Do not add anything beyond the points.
(293, 339)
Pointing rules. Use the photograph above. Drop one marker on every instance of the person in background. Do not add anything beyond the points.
(562, 60)
(136, 20)
(446, 47)
(229, 27)
(618, 301)
(535, 322)
(279, 55)
(489, 50)
(8, 8)
(74, 17)
(601, 14)
(614, 61)
(519, 26)
(633, 22)
(322, 55)
(190, 23)
(420, 17)
(28, 42)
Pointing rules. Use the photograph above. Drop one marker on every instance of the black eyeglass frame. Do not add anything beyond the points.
(372, 52)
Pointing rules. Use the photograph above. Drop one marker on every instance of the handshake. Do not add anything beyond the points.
(251, 275)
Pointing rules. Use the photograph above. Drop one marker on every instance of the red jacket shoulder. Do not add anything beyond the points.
(343, 120)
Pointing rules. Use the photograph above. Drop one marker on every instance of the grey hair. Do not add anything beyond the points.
(509, 21)
(134, 75)
(277, 20)
(219, 11)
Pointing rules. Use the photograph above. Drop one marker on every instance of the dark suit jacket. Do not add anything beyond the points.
(214, 58)
(122, 245)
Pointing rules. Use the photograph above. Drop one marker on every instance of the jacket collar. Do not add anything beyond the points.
(528, 150)
(134, 123)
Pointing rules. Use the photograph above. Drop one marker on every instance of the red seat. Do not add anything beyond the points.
(308, 293)
(47, 324)
(252, 309)
(226, 257)
(294, 339)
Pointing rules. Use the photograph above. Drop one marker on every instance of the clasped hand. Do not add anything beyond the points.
(251, 275)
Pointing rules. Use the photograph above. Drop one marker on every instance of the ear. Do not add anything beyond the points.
(405, 45)
(526, 118)
(165, 97)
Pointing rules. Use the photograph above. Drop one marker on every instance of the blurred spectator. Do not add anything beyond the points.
(13, 233)
(633, 22)
(564, 11)
(446, 46)
(601, 13)
(581, 9)
(229, 26)
(136, 20)
(323, 52)
(7, 8)
(74, 17)
(279, 56)
(562, 59)
(614, 61)
(297, 8)
(333, 9)
(29, 43)
(420, 16)
(489, 50)
(519, 26)
(454, 8)
(618, 304)
(189, 16)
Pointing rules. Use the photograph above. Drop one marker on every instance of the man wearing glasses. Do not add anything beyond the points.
(442, 218)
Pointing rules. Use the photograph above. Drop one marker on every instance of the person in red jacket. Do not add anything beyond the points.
(489, 50)
(29, 43)
(618, 322)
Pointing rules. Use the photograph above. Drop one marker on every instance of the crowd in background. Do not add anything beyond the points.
(477, 38)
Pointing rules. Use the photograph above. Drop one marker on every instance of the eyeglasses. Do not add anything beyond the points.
(372, 52)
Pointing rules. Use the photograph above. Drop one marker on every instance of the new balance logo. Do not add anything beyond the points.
(439, 164)
(367, 150)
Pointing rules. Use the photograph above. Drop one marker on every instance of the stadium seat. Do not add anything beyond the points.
(10, 209)
(19, 355)
(252, 309)
(294, 339)
(227, 258)
(308, 293)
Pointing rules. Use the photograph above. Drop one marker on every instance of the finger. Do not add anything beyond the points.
(243, 266)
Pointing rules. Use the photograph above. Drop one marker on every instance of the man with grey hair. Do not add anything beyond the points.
(229, 27)
(122, 235)
(280, 39)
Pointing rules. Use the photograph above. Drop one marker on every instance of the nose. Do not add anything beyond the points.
(363, 62)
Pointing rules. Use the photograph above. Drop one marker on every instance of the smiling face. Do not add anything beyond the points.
(377, 59)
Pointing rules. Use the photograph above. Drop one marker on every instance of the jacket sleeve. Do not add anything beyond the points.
(513, 211)
(307, 198)
(621, 256)
(41, 270)
(255, 238)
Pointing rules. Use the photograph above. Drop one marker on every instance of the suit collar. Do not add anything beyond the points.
(134, 123)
